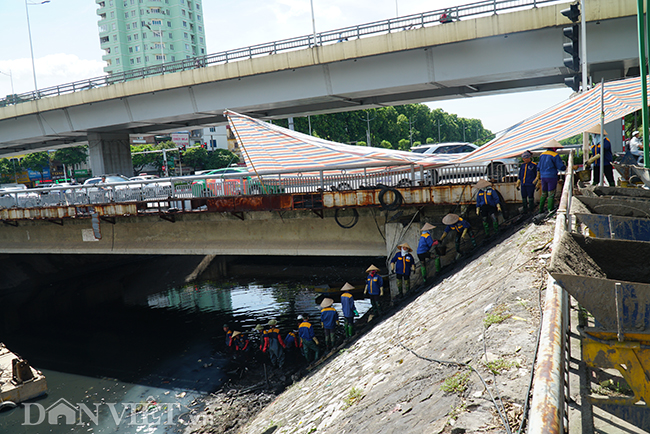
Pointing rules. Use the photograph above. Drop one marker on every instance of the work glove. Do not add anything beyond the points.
(365, 291)
(444, 234)
(464, 234)
(518, 184)
(478, 210)
(381, 292)
(592, 159)
(499, 207)
(316, 340)
(436, 242)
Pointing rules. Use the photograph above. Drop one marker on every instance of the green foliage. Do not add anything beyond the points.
(457, 383)
(9, 167)
(361, 143)
(499, 315)
(575, 140)
(141, 160)
(37, 161)
(354, 395)
(499, 365)
(71, 156)
(195, 157)
(404, 145)
(221, 158)
(389, 125)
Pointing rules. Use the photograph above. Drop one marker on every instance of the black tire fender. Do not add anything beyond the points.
(395, 203)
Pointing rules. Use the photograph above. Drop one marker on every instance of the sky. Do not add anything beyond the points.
(66, 46)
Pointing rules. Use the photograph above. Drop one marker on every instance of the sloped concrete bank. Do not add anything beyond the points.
(484, 319)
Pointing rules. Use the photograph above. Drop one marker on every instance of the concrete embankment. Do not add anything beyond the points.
(391, 379)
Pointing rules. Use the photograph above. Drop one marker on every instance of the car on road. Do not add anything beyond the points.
(98, 191)
(17, 195)
(495, 170)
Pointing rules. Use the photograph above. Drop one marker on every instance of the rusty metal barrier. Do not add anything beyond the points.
(547, 413)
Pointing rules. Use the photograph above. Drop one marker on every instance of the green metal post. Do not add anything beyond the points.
(644, 83)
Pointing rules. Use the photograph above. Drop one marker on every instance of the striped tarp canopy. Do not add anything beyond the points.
(564, 120)
(268, 147)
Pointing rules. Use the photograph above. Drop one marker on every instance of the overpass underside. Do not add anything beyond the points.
(349, 223)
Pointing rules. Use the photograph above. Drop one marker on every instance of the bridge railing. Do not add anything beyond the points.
(249, 183)
(408, 22)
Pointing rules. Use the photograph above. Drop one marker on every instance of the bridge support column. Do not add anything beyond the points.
(110, 153)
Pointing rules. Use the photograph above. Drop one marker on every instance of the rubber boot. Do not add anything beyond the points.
(525, 210)
(495, 226)
(473, 241)
(437, 264)
(486, 228)
(407, 285)
(542, 202)
(551, 200)
(399, 286)
(423, 271)
(531, 200)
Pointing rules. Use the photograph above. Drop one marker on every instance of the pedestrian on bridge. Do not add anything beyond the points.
(329, 319)
(425, 244)
(528, 177)
(401, 264)
(487, 205)
(349, 310)
(273, 344)
(308, 340)
(374, 289)
(461, 228)
(549, 165)
(608, 170)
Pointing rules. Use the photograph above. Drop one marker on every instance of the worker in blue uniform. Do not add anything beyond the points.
(528, 177)
(425, 244)
(292, 344)
(401, 264)
(374, 288)
(487, 205)
(308, 340)
(549, 165)
(273, 344)
(349, 310)
(228, 333)
(329, 319)
(461, 228)
(608, 170)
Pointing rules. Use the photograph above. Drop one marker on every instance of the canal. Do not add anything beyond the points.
(133, 348)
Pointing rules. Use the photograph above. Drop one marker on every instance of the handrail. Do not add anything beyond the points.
(547, 408)
(408, 22)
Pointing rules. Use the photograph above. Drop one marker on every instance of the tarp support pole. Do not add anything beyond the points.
(644, 82)
(602, 138)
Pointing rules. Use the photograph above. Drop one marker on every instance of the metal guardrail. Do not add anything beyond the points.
(548, 407)
(247, 183)
(408, 22)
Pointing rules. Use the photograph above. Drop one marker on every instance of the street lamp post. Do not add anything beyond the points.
(313, 20)
(31, 46)
(160, 32)
(10, 79)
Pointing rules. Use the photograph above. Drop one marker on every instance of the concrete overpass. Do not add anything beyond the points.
(514, 51)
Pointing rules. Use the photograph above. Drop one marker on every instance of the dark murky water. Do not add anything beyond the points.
(133, 357)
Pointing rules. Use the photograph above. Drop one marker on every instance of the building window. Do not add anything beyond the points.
(146, 58)
(103, 28)
(185, 35)
(173, 58)
(157, 22)
(137, 48)
(114, 26)
(184, 23)
(200, 29)
(137, 60)
(112, 15)
(117, 49)
(213, 129)
(136, 36)
(198, 17)
(169, 23)
(117, 61)
(171, 47)
(126, 15)
(110, 3)
(159, 57)
(183, 12)
(202, 50)
(132, 61)
(128, 27)
(201, 40)
(135, 24)
(128, 38)
(170, 36)
(144, 36)
(130, 49)
(187, 47)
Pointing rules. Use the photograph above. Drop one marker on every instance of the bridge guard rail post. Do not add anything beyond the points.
(547, 413)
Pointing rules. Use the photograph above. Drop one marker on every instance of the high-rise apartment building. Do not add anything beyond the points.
(139, 33)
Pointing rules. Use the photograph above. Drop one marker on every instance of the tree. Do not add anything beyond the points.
(221, 158)
(195, 157)
(9, 168)
(141, 160)
(71, 156)
(37, 161)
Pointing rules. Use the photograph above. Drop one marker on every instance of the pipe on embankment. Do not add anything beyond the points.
(547, 408)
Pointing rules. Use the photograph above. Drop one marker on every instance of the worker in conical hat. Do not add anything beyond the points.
(487, 206)
(549, 165)
(461, 228)
(608, 170)
(374, 288)
(527, 180)
(401, 264)
(348, 308)
(329, 319)
(425, 244)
